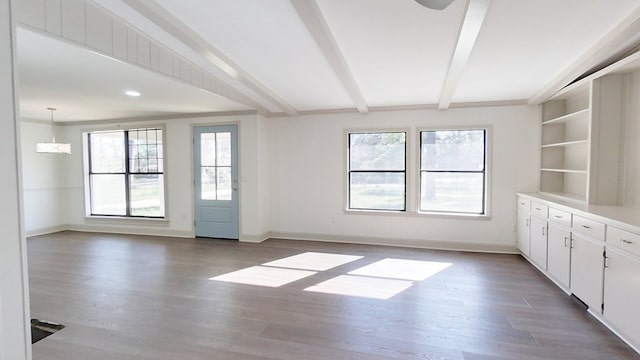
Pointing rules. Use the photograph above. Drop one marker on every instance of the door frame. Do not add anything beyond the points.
(192, 201)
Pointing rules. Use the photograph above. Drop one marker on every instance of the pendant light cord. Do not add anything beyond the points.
(53, 130)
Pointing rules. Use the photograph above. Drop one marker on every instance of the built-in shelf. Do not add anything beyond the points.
(582, 140)
(566, 143)
(572, 171)
(568, 117)
(565, 196)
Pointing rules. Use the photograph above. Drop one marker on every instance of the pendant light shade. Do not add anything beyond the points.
(435, 4)
(53, 147)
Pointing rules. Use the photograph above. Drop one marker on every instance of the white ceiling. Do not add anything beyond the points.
(311, 55)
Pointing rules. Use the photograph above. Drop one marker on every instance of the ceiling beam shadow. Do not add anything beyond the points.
(471, 26)
(171, 24)
(312, 17)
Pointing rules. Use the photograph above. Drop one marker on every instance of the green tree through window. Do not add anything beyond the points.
(377, 171)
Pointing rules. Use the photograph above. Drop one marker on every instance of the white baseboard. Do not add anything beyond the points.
(47, 230)
(403, 242)
(132, 230)
(601, 319)
(256, 239)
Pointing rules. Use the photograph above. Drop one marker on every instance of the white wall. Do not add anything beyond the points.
(14, 304)
(44, 180)
(308, 158)
(292, 177)
(631, 166)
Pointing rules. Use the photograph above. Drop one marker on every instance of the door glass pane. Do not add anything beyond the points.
(380, 191)
(377, 151)
(208, 149)
(108, 195)
(452, 192)
(147, 194)
(461, 150)
(224, 183)
(223, 141)
(208, 183)
(107, 152)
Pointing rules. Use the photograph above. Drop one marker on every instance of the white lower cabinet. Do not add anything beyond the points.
(559, 254)
(523, 233)
(587, 271)
(523, 225)
(622, 294)
(592, 256)
(539, 241)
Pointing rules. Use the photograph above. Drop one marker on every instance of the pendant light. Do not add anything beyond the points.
(53, 147)
(435, 4)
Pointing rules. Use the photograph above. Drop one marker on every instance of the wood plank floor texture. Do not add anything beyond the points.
(142, 297)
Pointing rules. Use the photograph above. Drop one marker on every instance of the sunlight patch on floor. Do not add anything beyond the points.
(313, 261)
(361, 286)
(402, 269)
(382, 279)
(264, 276)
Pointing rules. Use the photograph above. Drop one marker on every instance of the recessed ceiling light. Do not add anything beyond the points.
(132, 93)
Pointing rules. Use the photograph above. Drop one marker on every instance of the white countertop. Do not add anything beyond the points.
(625, 218)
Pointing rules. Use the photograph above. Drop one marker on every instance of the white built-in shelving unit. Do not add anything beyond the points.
(566, 120)
(582, 132)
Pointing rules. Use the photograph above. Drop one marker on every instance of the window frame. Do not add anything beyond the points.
(86, 135)
(486, 195)
(347, 176)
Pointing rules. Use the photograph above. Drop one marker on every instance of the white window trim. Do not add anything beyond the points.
(412, 171)
(487, 173)
(86, 193)
(408, 175)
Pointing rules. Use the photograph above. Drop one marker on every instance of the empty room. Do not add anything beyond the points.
(320, 179)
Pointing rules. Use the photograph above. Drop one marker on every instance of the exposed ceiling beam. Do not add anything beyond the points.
(623, 37)
(312, 17)
(171, 24)
(471, 25)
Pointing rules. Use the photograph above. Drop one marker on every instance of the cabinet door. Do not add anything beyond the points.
(523, 233)
(622, 294)
(587, 270)
(559, 254)
(539, 241)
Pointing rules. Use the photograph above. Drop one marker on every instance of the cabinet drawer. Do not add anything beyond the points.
(539, 209)
(560, 217)
(588, 227)
(524, 204)
(623, 240)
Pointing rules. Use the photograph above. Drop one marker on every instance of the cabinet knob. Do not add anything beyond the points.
(558, 216)
(626, 241)
(565, 241)
(586, 227)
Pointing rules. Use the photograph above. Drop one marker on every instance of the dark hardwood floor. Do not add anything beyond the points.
(141, 297)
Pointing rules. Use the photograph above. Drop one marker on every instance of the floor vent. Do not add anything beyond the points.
(41, 329)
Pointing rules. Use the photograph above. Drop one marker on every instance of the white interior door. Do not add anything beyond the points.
(216, 181)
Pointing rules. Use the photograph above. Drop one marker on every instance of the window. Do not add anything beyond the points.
(377, 171)
(126, 175)
(453, 171)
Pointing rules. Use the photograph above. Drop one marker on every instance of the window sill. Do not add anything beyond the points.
(453, 216)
